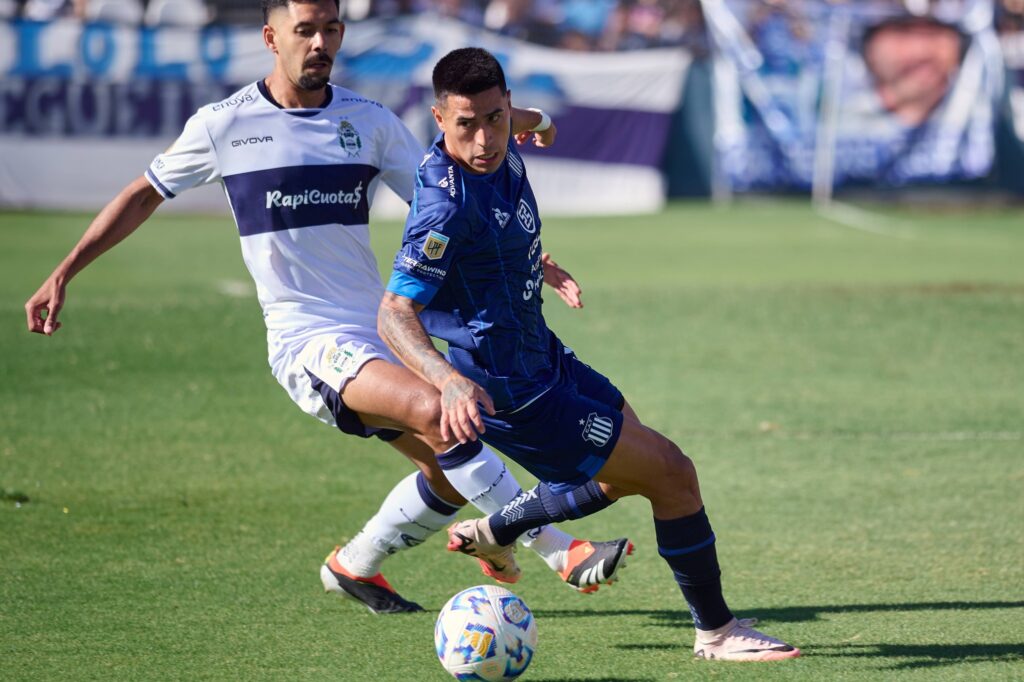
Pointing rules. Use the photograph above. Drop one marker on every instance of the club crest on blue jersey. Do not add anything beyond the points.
(348, 138)
(525, 215)
(597, 429)
(434, 246)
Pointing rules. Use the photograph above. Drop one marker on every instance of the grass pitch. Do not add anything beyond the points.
(854, 403)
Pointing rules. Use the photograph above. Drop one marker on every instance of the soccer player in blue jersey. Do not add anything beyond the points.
(470, 271)
(300, 160)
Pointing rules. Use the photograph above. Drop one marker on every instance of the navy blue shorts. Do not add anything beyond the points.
(564, 436)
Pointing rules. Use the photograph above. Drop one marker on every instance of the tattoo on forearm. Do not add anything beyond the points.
(404, 333)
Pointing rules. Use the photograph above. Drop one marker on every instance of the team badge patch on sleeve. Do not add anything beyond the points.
(597, 429)
(435, 245)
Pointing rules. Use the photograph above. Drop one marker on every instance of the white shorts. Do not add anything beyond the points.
(314, 373)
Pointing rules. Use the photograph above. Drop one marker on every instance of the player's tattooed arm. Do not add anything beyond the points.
(399, 325)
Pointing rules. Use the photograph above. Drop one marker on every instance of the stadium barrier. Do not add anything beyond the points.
(84, 107)
(794, 97)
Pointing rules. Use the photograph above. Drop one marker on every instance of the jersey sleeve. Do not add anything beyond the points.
(401, 157)
(189, 162)
(431, 244)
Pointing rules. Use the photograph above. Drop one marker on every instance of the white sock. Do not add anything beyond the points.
(488, 485)
(409, 515)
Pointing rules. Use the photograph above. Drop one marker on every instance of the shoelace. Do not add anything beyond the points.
(744, 630)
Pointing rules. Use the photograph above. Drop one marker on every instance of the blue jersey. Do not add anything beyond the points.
(471, 253)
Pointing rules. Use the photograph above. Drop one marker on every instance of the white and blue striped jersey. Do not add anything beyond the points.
(300, 183)
(471, 254)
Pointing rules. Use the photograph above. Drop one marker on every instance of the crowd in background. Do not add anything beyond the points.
(569, 24)
(587, 25)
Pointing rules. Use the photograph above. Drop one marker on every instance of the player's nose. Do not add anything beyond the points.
(484, 137)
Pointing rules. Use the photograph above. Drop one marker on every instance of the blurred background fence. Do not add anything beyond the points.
(654, 98)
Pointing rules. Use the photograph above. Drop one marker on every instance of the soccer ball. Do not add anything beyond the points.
(485, 633)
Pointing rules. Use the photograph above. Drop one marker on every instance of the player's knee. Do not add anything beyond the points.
(423, 415)
(679, 472)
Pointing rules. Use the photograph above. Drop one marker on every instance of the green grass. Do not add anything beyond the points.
(854, 403)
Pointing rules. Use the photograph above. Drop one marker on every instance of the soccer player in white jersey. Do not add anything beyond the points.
(300, 160)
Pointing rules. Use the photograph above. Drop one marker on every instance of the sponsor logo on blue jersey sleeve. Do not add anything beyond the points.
(419, 269)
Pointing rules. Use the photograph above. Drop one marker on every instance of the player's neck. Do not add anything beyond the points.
(288, 96)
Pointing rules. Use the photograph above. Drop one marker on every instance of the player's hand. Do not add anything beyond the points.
(562, 282)
(42, 309)
(460, 408)
(544, 138)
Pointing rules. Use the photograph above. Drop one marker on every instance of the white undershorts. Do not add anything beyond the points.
(333, 359)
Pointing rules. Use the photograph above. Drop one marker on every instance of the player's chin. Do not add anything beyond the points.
(314, 82)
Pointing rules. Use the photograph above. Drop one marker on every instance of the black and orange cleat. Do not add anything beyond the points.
(592, 564)
(374, 593)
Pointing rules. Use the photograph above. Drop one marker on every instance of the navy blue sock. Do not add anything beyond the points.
(432, 499)
(540, 506)
(688, 545)
(460, 454)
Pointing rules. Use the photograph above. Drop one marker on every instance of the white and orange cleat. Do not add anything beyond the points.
(474, 537)
(592, 564)
(737, 640)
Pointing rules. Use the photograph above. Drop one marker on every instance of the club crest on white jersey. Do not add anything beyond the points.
(349, 138)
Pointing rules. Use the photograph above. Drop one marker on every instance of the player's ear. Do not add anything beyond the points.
(438, 118)
(270, 38)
